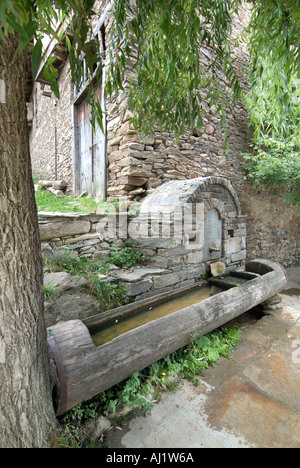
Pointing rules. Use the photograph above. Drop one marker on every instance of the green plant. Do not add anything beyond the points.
(108, 294)
(46, 201)
(70, 437)
(274, 108)
(126, 258)
(186, 362)
(48, 291)
(134, 209)
(276, 165)
(64, 259)
(169, 67)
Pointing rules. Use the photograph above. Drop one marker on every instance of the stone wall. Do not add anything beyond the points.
(51, 130)
(136, 165)
(93, 235)
(81, 233)
(182, 228)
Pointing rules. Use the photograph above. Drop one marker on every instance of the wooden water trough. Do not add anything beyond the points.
(85, 369)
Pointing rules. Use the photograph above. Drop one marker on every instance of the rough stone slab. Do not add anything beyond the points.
(194, 257)
(169, 279)
(195, 271)
(185, 284)
(172, 252)
(136, 274)
(137, 191)
(75, 246)
(232, 245)
(134, 289)
(178, 420)
(70, 299)
(153, 182)
(217, 268)
(243, 353)
(71, 307)
(84, 237)
(63, 229)
(63, 281)
(92, 241)
(274, 375)
(153, 242)
(239, 256)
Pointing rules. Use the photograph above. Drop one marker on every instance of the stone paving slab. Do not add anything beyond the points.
(179, 420)
(245, 411)
(275, 374)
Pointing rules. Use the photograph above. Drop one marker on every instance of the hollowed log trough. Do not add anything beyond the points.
(84, 370)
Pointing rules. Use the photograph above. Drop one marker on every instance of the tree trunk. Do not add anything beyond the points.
(26, 413)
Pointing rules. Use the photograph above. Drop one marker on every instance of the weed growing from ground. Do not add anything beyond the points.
(126, 258)
(143, 388)
(46, 201)
(109, 294)
(48, 291)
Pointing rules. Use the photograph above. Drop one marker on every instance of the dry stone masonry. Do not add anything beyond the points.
(182, 228)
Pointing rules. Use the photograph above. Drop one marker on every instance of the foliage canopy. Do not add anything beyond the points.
(172, 74)
(166, 40)
(273, 101)
(274, 108)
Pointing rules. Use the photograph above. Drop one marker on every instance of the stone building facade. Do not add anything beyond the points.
(134, 167)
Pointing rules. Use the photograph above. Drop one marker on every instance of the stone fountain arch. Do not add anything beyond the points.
(181, 192)
(188, 224)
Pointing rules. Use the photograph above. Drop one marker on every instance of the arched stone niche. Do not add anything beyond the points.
(188, 224)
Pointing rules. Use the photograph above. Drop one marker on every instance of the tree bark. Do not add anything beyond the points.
(26, 409)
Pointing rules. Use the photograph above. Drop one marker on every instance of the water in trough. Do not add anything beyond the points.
(122, 324)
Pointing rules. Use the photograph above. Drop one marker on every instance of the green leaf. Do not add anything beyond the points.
(212, 354)
(69, 45)
(36, 57)
(29, 31)
(203, 342)
(51, 75)
(55, 88)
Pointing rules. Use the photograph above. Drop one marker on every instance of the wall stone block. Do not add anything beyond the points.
(63, 228)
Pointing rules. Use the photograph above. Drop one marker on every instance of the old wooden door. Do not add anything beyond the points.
(91, 152)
